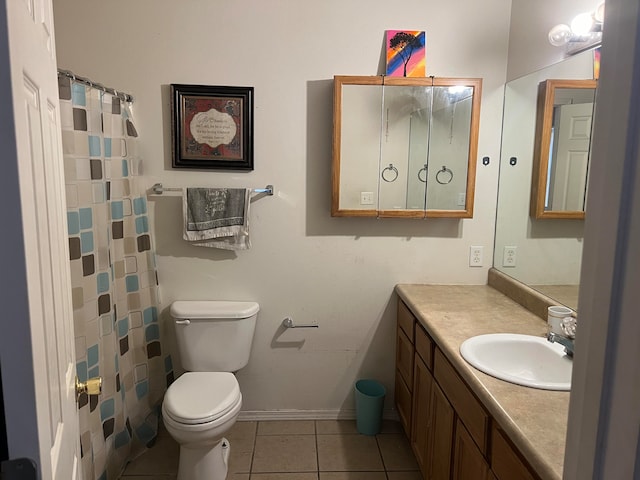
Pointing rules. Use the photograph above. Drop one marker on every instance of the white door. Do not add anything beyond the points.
(572, 139)
(37, 346)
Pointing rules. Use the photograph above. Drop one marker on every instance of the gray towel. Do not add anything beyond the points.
(217, 217)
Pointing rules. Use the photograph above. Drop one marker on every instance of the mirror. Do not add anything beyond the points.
(404, 147)
(547, 254)
(562, 145)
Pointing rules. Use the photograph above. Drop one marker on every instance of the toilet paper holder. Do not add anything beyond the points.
(288, 323)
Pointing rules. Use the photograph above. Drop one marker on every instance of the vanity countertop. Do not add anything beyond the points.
(535, 420)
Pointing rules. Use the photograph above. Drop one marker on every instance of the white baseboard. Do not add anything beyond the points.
(258, 415)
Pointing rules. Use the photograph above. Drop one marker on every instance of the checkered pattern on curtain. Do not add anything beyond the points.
(117, 333)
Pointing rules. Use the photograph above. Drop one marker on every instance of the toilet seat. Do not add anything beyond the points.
(201, 397)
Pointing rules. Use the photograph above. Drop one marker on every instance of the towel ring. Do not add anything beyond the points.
(441, 178)
(394, 173)
(423, 169)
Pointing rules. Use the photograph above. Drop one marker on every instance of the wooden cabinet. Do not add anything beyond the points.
(452, 435)
(433, 417)
(506, 462)
(421, 421)
(404, 366)
(464, 402)
(440, 444)
(468, 461)
(403, 403)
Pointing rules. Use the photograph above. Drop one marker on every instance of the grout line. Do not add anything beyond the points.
(315, 429)
(384, 467)
(317, 471)
(253, 450)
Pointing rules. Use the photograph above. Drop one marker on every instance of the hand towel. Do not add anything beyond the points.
(217, 217)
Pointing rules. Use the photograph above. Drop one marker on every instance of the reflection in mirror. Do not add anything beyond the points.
(406, 114)
(449, 152)
(547, 253)
(419, 133)
(360, 148)
(561, 156)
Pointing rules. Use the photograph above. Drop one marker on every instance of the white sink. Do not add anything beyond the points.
(520, 359)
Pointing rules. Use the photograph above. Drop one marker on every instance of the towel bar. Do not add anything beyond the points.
(158, 189)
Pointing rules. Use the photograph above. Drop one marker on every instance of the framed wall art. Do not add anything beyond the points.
(212, 127)
(406, 53)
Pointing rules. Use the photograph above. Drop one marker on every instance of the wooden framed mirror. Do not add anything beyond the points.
(562, 148)
(404, 146)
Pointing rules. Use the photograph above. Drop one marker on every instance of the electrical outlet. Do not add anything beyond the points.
(462, 199)
(475, 256)
(366, 198)
(509, 256)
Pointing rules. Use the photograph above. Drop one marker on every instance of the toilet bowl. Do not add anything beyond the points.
(214, 339)
(199, 408)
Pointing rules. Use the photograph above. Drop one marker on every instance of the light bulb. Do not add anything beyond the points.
(582, 24)
(560, 35)
(599, 13)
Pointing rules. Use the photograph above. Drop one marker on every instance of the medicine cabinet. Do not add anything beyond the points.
(404, 146)
(562, 148)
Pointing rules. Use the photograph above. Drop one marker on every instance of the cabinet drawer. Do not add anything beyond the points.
(403, 403)
(406, 320)
(404, 358)
(468, 408)
(505, 461)
(424, 347)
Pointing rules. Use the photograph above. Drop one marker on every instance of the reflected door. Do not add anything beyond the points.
(570, 160)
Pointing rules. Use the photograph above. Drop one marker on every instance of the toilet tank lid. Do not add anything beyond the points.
(194, 309)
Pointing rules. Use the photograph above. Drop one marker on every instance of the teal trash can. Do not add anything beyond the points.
(369, 403)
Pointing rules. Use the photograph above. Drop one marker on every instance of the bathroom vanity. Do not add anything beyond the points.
(461, 422)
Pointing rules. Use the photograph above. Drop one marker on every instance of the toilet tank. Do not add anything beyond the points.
(214, 336)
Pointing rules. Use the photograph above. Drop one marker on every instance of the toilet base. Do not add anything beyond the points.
(204, 463)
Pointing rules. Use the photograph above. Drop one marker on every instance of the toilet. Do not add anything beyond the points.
(214, 340)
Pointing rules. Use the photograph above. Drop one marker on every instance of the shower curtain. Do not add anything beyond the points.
(117, 333)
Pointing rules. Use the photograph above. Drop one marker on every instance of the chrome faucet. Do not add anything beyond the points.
(568, 326)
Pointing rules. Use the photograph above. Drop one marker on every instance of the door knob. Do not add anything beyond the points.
(93, 386)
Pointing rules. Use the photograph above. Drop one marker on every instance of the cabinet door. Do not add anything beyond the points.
(406, 320)
(440, 441)
(403, 403)
(505, 461)
(466, 405)
(421, 415)
(404, 357)
(468, 460)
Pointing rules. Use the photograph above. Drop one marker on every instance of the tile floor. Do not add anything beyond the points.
(295, 450)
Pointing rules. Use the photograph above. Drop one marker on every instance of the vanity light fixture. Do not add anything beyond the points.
(584, 32)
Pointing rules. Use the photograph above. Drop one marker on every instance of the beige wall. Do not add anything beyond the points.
(338, 272)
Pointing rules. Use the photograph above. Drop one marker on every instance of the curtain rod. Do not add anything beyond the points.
(122, 95)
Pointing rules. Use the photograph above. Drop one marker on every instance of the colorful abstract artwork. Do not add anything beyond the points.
(596, 63)
(406, 53)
